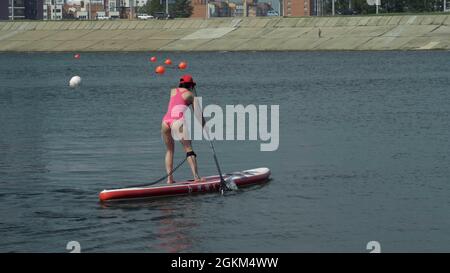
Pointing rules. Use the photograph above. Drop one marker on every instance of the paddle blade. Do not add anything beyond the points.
(230, 185)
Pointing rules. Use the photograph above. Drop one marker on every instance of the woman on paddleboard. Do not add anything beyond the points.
(172, 123)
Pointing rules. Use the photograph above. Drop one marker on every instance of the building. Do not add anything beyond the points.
(33, 9)
(4, 10)
(16, 9)
(219, 9)
(252, 8)
(82, 15)
(199, 10)
(238, 10)
(258, 9)
(85, 10)
(53, 9)
(91, 10)
(127, 8)
(20, 9)
(141, 3)
(296, 7)
(111, 8)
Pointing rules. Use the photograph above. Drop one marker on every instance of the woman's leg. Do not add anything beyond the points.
(187, 145)
(168, 140)
(192, 160)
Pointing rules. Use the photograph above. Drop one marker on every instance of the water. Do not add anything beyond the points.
(364, 153)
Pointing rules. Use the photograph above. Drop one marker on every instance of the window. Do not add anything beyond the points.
(19, 12)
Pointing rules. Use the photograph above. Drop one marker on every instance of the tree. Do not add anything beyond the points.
(182, 9)
(68, 14)
(387, 6)
(151, 7)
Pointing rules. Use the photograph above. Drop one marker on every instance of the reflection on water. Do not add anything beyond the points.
(174, 231)
(171, 223)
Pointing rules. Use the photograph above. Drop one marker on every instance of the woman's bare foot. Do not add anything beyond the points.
(170, 180)
(199, 179)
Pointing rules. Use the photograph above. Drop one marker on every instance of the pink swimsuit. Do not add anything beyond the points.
(176, 108)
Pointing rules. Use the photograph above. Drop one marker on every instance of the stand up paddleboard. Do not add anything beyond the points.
(212, 184)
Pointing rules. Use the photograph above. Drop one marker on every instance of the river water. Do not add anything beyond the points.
(363, 155)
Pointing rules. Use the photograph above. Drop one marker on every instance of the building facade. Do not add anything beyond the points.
(53, 9)
(199, 10)
(4, 10)
(34, 9)
(141, 3)
(112, 8)
(21, 9)
(16, 9)
(296, 8)
(85, 10)
(126, 8)
(250, 8)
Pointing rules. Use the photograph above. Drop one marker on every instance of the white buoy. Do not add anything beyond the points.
(74, 81)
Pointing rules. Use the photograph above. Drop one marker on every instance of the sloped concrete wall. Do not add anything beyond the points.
(412, 32)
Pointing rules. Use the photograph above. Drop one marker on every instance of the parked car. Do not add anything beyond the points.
(101, 17)
(144, 16)
(272, 13)
(346, 12)
(162, 16)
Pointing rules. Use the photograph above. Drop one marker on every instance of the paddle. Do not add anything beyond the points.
(224, 184)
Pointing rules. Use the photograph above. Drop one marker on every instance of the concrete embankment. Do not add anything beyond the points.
(409, 32)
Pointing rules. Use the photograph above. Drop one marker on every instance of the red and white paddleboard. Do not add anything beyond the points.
(212, 184)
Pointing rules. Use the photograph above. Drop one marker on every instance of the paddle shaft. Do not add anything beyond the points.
(215, 158)
(211, 144)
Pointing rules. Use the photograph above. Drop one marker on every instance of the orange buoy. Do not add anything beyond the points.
(168, 61)
(153, 59)
(160, 69)
(182, 65)
(77, 56)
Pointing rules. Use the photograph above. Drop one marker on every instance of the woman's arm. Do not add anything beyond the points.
(198, 111)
